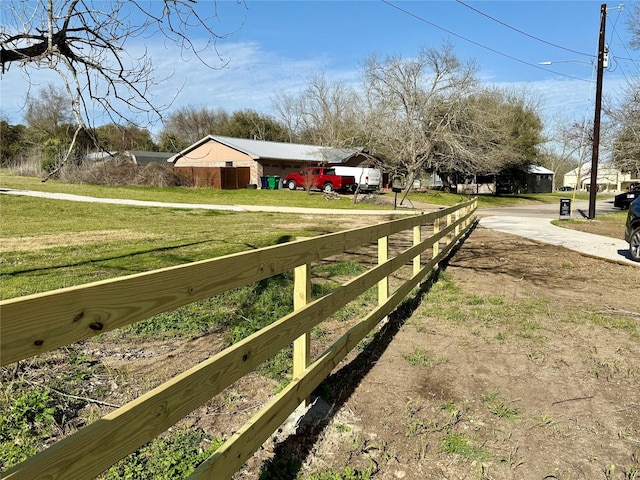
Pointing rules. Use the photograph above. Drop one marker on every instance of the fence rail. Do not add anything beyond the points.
(39, 323)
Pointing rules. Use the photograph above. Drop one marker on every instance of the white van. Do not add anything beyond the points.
(368, 179)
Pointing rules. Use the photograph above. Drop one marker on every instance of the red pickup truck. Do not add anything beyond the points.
(323, 178)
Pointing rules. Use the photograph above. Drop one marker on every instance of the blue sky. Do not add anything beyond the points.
(276, 46)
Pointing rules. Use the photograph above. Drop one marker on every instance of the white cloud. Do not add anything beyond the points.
(253, 76)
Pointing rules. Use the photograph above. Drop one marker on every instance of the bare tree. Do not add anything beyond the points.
(626, 145)
(325, 113)
(568, 147)
(633, 24)
(286, 106)
(412, 102)
(49, 110)
(85, 42)
(190, 124)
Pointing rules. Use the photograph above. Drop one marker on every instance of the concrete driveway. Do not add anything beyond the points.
(579, 210)
(534, 222)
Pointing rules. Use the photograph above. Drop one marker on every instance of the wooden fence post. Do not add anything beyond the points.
(417, 238)
(383, 285)
(436, 244)
(301, 297)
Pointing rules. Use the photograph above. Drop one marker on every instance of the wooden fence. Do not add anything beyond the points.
(39, 323)
(221, 178)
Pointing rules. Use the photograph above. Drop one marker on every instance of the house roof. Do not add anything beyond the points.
(262, 149)
(140, 157)
(585, 169)
(538, 170)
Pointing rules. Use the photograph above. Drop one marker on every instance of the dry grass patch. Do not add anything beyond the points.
(42, 242)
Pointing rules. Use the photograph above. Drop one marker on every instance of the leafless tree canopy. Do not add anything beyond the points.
(325, 113)
(190, 124)
(633, 23)
(412, 103)
(85, 42)
(626, 147)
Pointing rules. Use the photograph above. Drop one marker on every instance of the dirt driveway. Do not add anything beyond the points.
(521, 362)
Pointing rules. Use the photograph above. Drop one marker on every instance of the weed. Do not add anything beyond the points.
(511, 458)
(421, 358)
(167, 458)
(608, 471)
(413, 425)
(349, 473)
(605, 369)
(413, 407)
(231, 397)
(366, 341)
(342, 427)
(498, 407)
(358, 443)
(459, 444)
(423, 447)
(31, 410)
(490, 396)
(279, 367)
(262, 303)
(453, 411)
(504, 411)
(632, 472)
(545, 420)
(26, 424)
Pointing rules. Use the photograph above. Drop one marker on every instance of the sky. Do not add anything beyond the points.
(275, 47)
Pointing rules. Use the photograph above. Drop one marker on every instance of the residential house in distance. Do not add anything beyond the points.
(609, 178)
(535, 179)
(539, 179)
(231, 163)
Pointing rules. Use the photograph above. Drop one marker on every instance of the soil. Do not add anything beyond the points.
(522, 361)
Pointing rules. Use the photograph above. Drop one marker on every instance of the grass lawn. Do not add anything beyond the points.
(48, 244)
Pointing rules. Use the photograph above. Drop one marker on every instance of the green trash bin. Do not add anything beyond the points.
(277, 182)
(271, 182)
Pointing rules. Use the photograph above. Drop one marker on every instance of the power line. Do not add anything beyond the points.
(480, 44)
(522, 32)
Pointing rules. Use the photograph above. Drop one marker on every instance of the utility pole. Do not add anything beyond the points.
(593, 187)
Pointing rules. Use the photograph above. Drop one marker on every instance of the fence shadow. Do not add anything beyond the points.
(338, 387)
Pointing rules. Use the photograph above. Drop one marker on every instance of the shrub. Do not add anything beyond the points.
(121, 171)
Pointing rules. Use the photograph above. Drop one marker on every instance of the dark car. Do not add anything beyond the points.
(632, 230)
(623, 200)
(565, 189)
